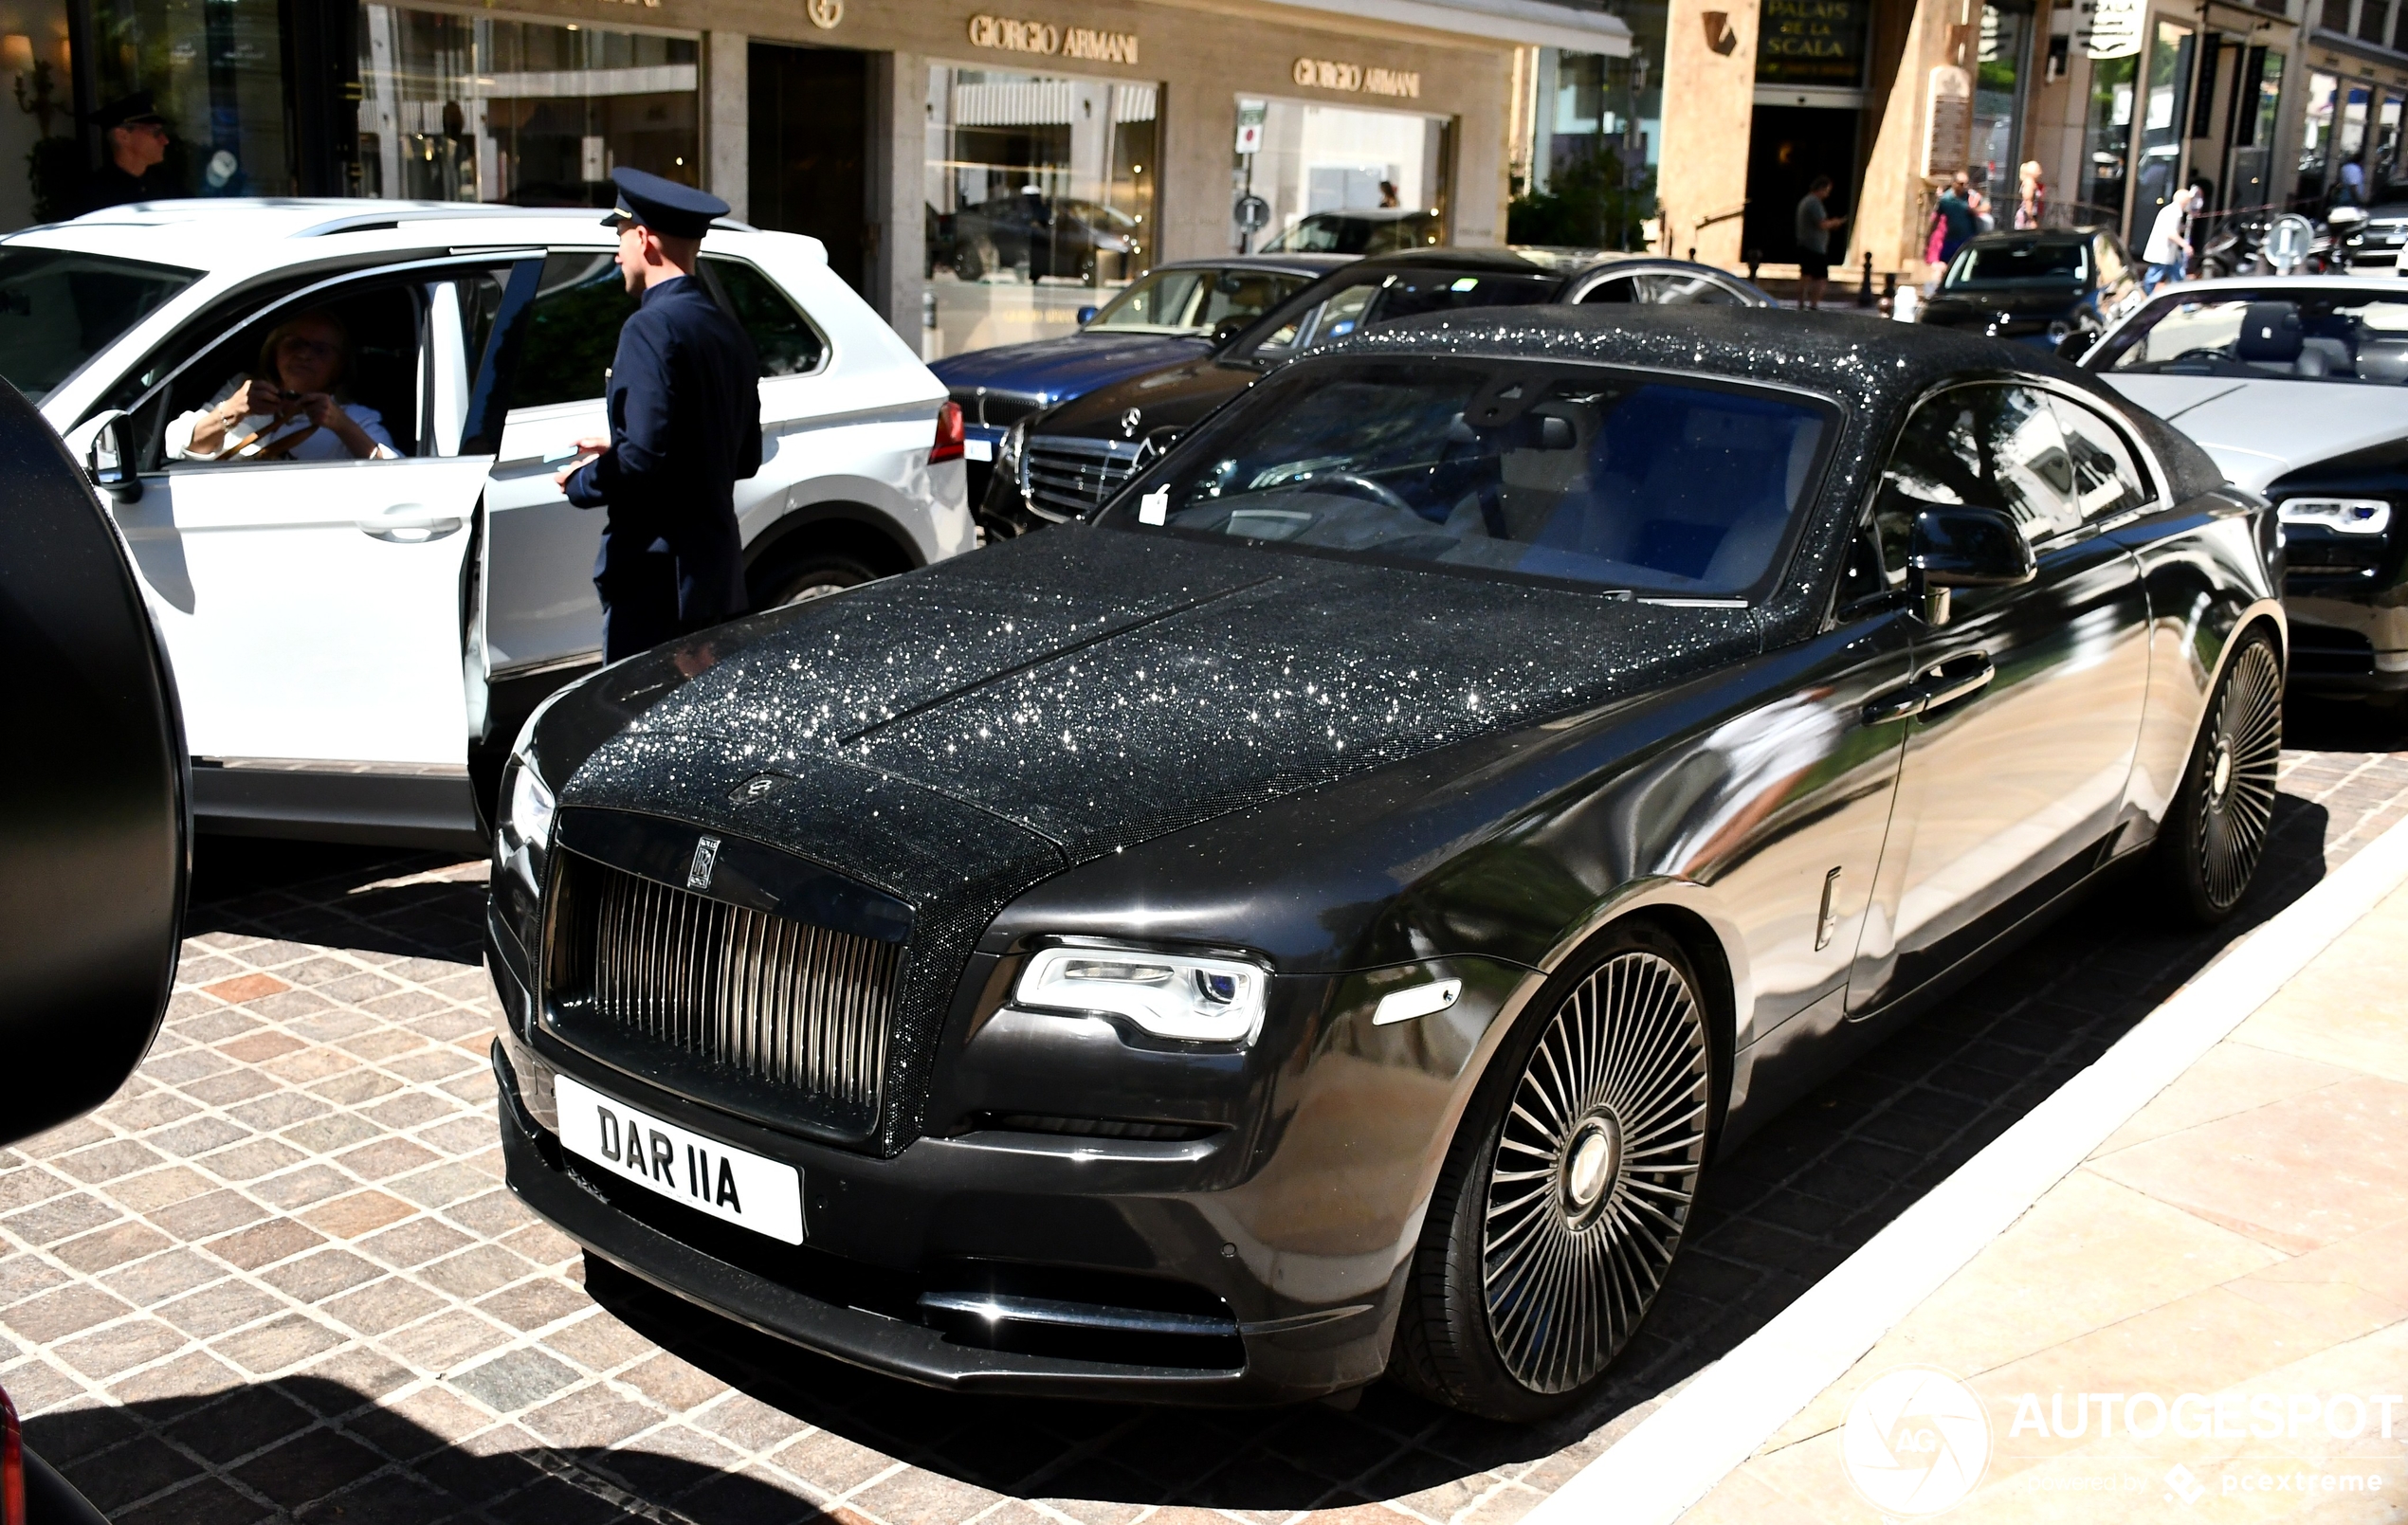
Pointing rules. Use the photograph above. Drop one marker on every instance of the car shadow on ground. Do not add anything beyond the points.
(369, 899)
(309, 1450)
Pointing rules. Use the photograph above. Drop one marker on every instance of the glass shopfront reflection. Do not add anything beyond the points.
(473, 108)
(2164, 124)
(1345, 181)
(215, 70)
(1040, 194)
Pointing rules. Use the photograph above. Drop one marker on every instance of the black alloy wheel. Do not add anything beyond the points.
(1568, 1189)
(2215, 835)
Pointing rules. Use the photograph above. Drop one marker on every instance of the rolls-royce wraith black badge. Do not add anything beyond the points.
(1321, 915)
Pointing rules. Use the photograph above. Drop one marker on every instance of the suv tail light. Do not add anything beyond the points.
(11, 1465)
(949, 435)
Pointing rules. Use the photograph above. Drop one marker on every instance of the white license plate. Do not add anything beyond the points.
(978, 449)
(729, 1184)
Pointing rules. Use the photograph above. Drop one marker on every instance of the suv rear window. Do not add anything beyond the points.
(58, 309)
(572, 327)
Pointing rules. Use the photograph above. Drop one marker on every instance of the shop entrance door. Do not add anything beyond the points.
(808, 148)
(1787, 147)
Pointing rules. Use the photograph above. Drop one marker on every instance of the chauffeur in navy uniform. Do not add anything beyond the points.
(685, 423)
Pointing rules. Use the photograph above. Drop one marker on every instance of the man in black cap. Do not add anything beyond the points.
(136, 136)
(686, 425)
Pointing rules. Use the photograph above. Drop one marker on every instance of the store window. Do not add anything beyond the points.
(2159, 172)
(2387, 167)
(215, 70)
(1039, 190)
(1998, 101)
(1596, 133)
(1334, 180)
(474, 108)
(2259, 101)
(2316, 140)
(2106, 139)
(2349, 142)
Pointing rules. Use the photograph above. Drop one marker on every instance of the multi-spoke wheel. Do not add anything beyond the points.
(1568, 1189)
(2216, 831)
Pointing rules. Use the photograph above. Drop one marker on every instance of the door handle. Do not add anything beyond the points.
(410, 524)
(1959, 677)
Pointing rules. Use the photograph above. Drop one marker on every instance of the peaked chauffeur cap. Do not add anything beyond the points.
(663, 205)
(128, 111)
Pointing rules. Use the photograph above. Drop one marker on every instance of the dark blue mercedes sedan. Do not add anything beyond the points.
(1175, 312)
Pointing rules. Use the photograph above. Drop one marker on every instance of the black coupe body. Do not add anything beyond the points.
(1321, 915)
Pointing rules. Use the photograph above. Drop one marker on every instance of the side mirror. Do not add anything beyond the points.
(109, 462)
(2076, 344)
(1958, 545)
(1229, 328)
(1087, 315)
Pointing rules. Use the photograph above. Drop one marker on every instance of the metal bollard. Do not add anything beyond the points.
(1865, 291)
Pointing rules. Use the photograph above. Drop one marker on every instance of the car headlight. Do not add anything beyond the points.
(2342, 515)
(524, 832)
(526, 807)
(1170, 995)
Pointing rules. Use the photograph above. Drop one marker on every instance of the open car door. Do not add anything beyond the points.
(319, 609)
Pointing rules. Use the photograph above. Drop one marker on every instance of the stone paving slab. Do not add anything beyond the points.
(278, 1277)
(2244, 1234)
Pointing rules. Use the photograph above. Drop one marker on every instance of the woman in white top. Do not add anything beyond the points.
(285, 410)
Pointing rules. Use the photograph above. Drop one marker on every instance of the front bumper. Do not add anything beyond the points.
(1155, 1288)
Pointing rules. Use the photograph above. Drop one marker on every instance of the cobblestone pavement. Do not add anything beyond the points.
(278, 1275)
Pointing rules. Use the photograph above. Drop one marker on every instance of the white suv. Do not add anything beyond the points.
(343, 631)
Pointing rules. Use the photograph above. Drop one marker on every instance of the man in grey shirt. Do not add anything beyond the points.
(1814, 222)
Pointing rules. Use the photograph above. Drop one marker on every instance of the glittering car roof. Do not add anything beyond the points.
(1860, 360)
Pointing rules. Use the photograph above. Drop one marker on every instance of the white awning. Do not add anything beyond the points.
(1533, 21)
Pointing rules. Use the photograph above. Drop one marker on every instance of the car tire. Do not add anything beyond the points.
(807, 576)
(2214, 833)
(1565, 1196)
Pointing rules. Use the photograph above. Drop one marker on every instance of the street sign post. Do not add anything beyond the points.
(1249, 125)
(2288, 242)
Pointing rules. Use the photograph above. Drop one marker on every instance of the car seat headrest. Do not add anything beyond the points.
(2269, 331)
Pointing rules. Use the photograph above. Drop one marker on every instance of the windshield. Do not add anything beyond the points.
(1195, 301)
(2023, 261)
(59, 309)
(2307, 336)
(1566, 473)
(1340, 232)
(1386, 297)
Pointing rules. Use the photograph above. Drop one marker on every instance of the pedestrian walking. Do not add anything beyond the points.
(686, 425)
(2167, 254)
(1959, 224)
(2352, 190)
(1815, 225)
(137, 141)
(2032, 197)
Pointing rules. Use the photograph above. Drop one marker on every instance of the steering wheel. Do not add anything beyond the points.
(1365, 487)
(2203, 354)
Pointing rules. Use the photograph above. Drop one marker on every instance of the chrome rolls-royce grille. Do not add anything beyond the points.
(1067, 477)
(744, 1008)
